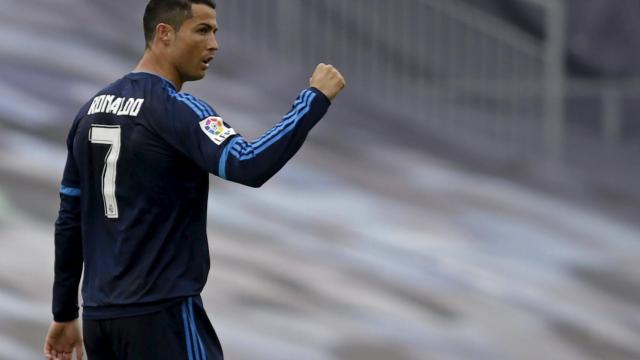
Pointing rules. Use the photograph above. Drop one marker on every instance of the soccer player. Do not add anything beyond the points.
(134, 195)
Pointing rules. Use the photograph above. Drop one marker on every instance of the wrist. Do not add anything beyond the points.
(65, 317)
(321, 94)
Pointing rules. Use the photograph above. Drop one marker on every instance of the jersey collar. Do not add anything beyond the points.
(156, 75)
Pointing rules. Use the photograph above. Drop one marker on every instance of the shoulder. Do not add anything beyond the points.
(85, 109)
(190, 103)
(163, 100)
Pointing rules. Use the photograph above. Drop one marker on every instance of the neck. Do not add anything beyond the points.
(151, 63)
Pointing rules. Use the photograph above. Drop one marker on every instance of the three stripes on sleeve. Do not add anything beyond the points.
(244, 150)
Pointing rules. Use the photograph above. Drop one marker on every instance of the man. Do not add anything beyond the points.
(134, 195)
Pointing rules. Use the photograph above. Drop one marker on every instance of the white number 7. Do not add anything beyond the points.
(110, 135)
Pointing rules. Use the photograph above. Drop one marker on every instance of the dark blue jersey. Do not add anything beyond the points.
(135, 189)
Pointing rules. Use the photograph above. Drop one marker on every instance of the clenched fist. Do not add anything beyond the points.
(327, 79)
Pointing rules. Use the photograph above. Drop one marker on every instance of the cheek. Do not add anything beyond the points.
(191, 54)
(184, 57)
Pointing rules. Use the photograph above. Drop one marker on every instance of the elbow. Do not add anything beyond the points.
(251, 176)
(256, 183)
(253, 182)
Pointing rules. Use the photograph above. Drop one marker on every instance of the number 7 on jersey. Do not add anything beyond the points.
(109, 135)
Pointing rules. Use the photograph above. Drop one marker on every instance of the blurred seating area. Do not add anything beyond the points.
(471, 195)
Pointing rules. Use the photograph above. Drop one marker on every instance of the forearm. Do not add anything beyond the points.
(68, 260)
(253, 163)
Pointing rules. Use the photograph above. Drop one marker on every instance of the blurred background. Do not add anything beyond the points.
(473, 194)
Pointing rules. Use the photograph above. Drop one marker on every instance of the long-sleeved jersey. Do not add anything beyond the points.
(135, 188)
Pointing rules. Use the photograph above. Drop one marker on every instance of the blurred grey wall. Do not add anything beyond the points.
(426, 217)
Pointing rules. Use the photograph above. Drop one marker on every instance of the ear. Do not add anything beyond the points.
(165, 33)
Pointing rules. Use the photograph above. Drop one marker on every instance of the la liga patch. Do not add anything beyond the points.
(215, 129)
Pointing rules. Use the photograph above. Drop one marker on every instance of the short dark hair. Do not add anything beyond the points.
(171, 12)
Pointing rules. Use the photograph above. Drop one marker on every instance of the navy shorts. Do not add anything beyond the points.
(180, 331)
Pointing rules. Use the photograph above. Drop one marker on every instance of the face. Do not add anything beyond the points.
(195, 44)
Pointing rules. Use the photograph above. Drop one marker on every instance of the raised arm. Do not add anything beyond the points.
(253, 163)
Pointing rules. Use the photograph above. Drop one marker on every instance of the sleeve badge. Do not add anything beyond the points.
(216, 130)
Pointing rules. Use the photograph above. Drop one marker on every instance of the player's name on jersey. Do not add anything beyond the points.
(120, 106)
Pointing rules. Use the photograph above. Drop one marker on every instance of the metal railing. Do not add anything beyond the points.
(440, 66)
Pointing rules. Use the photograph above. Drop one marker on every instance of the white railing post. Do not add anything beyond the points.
(555, 74)
(612, 114)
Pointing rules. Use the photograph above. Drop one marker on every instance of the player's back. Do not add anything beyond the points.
(137, 168)
(143, 202)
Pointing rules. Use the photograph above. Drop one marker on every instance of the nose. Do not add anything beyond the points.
(213, 42)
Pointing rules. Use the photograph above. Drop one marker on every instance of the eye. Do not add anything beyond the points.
(203, 31)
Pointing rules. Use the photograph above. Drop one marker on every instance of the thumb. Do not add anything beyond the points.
(79, 351)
